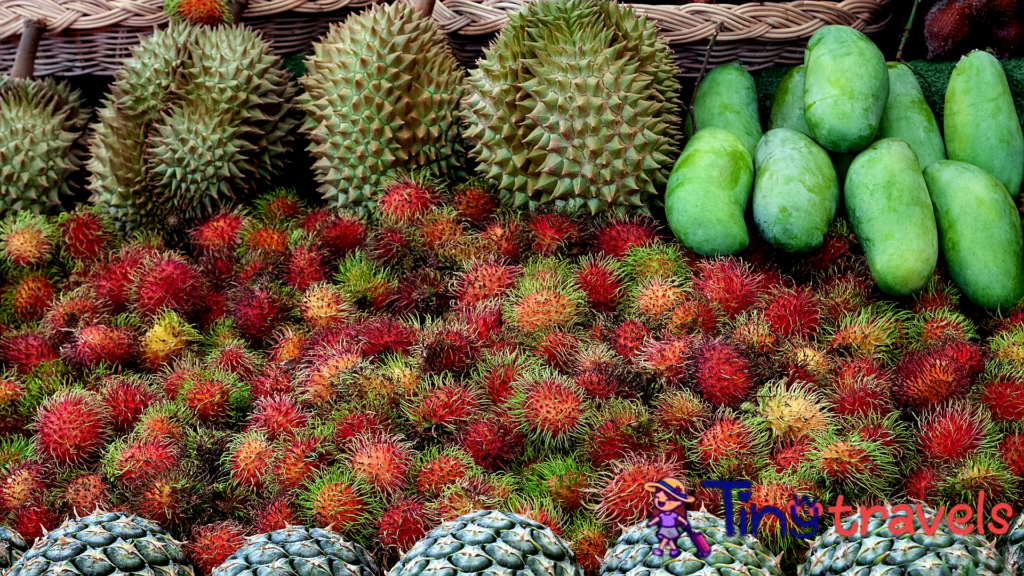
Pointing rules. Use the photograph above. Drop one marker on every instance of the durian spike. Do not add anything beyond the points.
(25, 58)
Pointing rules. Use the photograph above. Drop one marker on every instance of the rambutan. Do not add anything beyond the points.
(366, 284)
(257, 311)
(601, 282)
(270, 242)
(69, 313)
(286, 347)
(493, 441)
(384, 335)
(422, 290)
(1011, 447)
(680, 412)
(306, 267)
(954, 433)
(407, 198)
(938, 295)
(86, 493)
(23, 484)
(556, 349)
(438, 468)
(852, 462)
(722, 374)
(540, 510)
(211, 397)
(112, 280)
(728, 285)
(474, 202)
(564, 481)
(861, 397)
(928, 379)
(26, 240)
(541, 304)
(805, 363)
(99, 345)
(381, 461)
(211, 544)
(85, 234)
(202, 12)
(616, 237)
(930, 329)
(485, 280)
(126, 398)
(471, 494)
(136, 461)
(299, 459)
(629, 338)
(790, 457)
(668, 359)
(443, 234)
(617, 429)
(448, 349)
(322, 305)
(168, 281)
(692, 316)
(338, 499)
(655, 298)
(233, 357)
(24, 351)
(279, 205)
(497, 376)
(793, 313)
(275, 514)
(30, 296)
(730, 445)
(982, 473)
(792, 411)
(442, 405)
(505, 238)
(590, 541)
(165, 341)
(352, 424)
(219, 234)
(392, 245)
(72, 427)
(871, 331)
(277, 416)
(1002, 393)
(620, 493)
(35, 521)
(12, 392)
(404, 522)
(250, 458)
(550, 409)
(164, 420)
(554, 233)
(601, 383)
(316, 379)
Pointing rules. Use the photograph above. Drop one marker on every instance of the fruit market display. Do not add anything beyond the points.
(477, 346)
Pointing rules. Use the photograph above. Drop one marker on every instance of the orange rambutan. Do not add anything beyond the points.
(26, 240)
(203, 12)
(485, 280)
(337, 498)
(550, 410)
(219, 234)
(300, 458)
(438, 468)
(729, 443)
(277, 416)
(23, 484)
(250, 459)
(381, 461)
(86, 493)
(474, 202)
(554, 233)
(269, 242)
(680, 412)
(928, 379)
(322, 305)
(30, 297)
(134, 462)
(444, 405)
(693, 315)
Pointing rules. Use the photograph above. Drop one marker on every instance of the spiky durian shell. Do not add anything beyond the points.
(382, 96)
(41, 126)
(233, 69)
(582, 67)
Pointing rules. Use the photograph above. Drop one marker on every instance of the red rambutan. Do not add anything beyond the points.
(443, 406)
(25, 350)
(493, 442)
(127, 399)
(168, 281)
(383, 335)
(22, 485)
(722, 374)
(407, 198)
(87, 493)
(728, 285)
(600, 383)
(341, 235)
(98, 345)
(622, 498)
(449, 349)
(112, 280)
(269, 242)
(680, 412)
(211, 544)
(72, 427)
(257, 311)
(629, 338)
(437, 469)
(340, 500)
(277, 416)
(404, 522)
(554, 233)
(221, 233)
(68, 314)
(556, 349)
(299, 459)
(474, 202)
(250, 458)
(35, 521)
(1011, 447)
(928, 379)
(727, 440)
(306, 267)
(617, 237)
(1003, 396)
(922, 484)
(505, 238)
(667, 359)
(616, 432)
(692, 316)
(391, 245)
(601, 281)
(139, 460)
(202, 12)
(483, 281)
(275, 514)
(954, 433)
(793, 313)
(85, 235)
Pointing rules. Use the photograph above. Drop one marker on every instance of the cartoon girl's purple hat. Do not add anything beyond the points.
(670, 486)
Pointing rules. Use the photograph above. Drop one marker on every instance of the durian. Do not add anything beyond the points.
(194, 117)
(382, 97)
(41, 127)
(575, 106)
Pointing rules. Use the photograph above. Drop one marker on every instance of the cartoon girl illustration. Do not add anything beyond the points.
(670, 502)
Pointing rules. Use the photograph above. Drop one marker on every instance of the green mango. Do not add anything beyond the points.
(796, 191)
(907, 117)
(980, 122)
(891, 212)
(788, 103)
(708, 191)
(846, 86)
(727, 99)
(980, 231)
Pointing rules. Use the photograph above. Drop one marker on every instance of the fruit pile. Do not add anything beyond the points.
(443, 355)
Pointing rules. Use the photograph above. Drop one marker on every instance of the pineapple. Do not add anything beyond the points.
(295, 551)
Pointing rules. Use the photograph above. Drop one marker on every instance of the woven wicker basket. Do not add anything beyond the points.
(758, 34)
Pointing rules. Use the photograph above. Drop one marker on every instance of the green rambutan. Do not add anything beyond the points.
(540, 510)
(381, 461)
(365, 283)
(72, 427)
(85, 234)
(493, 441)
(728, 285)
(550, 409)
(619, 235)
(164, 341)
(168, 281)
(219, 234)
(954, 433)
(407, 198)
(984, 473)
(337, 498)
(403, 523)
(619, 493)
(618, 428)
(277, 417)
(250, 459)
(554, 233)
(474, 201)
(212, 544)
(306, 266)
(26, 240)
(929, 329)
(485, 280)
(135, 461)
(98, 345)
(439, 467)
(722, 374)
(792, 411)
(126, 398)
(29, 296)
(566, 482)
(850, 462)
(497, 374)
(872, 331)
(661, 261)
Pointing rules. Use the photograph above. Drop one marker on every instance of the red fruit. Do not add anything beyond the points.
(208, 398)
(299, 460)
(793, 313)
(622, 234)
(629, 337)
(474, 203)
(406, 200)
(790, 457)
(356, 424)
(112, 281)
(233, 358)
(162, 500)
(381, 461)
(602, 285)
(391, 245)
(613, 438)
(423, 290)
(25, 350)
(126, 400)
(274, 381)
(556, 349)
(31, 297)
(680, 413)
(72, 427)
(600, 383)
(221, 233)
(922, 484)
(384, 335)
(34, 521)
(728, 285)
(98, 345)
(276, 514)
(966, 354)
(844, 294)
(85, 236)
(505, 239)
(342, 504)
(1003, 395)
(692, 316)
(442, 470)
(622, 496)
(143, 460)
(168, 281)
(203, 12)
(278, 417)
(449, 350)
(953, 433)
(213, 310)
(267, 241)
(498, 381)
(722, 374)
(87, 493)
(727, 438)
(24, 484)
(11, 393)
(484, 281)
(492, 442)
(211, 544)
(551, 410)
(404, 522)
(287, 348)
(540, 512)
(69, 314)
(251, 460)
(445, 406)
(553, 233)
(668, 359)
(485, 321)
(862, 397)
(928, 379)
(1012, 449)
(257, 312)
(306, 267)
(590, 545)
(341, 235)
